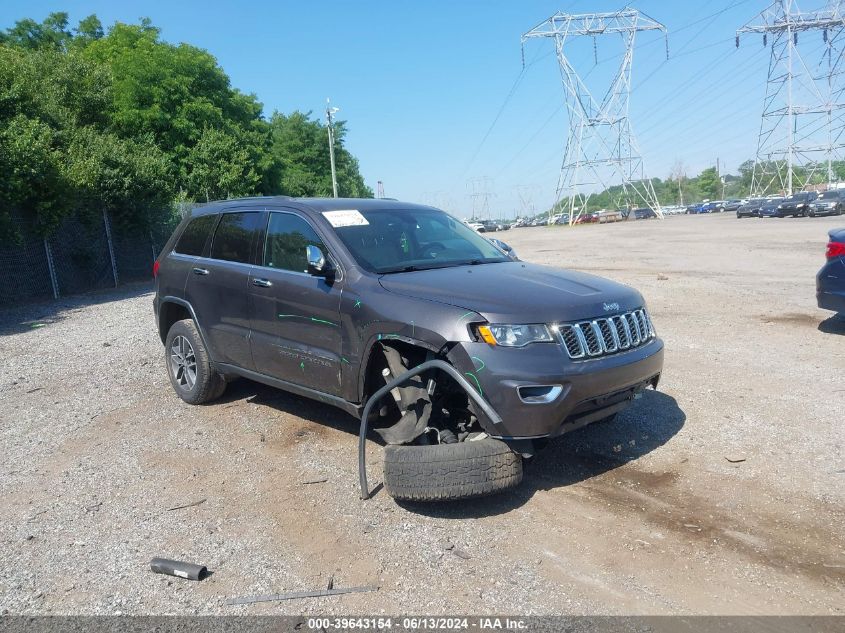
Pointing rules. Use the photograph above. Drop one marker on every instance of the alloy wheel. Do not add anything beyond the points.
(183, 363)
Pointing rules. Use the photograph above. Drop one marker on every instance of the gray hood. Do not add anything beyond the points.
(517, 292)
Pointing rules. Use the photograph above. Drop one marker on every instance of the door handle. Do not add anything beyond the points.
(264, 283)
(200, 271)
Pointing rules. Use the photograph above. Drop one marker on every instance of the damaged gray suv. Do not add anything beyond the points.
(333, 298)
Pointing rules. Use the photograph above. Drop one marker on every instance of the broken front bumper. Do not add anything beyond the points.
(540, 392)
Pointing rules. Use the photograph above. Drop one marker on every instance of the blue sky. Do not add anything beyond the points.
(420, 83)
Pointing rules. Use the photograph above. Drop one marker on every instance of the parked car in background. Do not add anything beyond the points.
(710, 207)
(796, 205)
(769, 208)
(644, 214)
(750, 209)
(587, 218)
(693, 208)
(828, 203)
(730, 205)
(477, 226)
(562, 219)
(830, 281)
(488, 226)
(609, 216)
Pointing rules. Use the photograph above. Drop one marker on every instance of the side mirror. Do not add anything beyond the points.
(505, 248)
(317, 263)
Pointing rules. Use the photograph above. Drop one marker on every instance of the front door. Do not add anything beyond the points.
(296, 334)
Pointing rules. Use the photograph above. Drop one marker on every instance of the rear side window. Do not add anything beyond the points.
(234, 237)
(287, 237)
(195, 235)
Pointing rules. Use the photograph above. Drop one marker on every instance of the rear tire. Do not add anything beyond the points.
(191, 373)
(450, 471)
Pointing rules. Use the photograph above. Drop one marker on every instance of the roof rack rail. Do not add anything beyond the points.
(244, 198)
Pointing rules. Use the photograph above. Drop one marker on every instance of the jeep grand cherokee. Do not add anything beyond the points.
(332, 298)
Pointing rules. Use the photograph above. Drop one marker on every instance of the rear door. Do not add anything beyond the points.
(218, 286)
(296, 333)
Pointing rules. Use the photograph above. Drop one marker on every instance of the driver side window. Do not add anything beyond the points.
(287, 237)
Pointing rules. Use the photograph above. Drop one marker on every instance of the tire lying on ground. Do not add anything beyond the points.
(450, 471)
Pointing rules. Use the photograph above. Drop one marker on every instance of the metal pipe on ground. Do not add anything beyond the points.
(178, 568)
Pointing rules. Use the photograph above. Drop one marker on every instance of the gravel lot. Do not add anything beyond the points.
(722, 493)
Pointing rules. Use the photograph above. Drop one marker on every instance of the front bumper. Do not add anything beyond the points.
(824, 211)
(589, 389)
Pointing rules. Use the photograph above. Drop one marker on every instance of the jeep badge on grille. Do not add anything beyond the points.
(611, 307)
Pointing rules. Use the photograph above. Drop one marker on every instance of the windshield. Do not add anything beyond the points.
(400, 240)
(797, 196)
(828, 195)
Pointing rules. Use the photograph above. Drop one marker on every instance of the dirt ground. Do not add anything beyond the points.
(720, 493)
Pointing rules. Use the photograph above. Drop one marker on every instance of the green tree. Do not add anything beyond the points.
(219, 167)
(708, 183)
(89, 30)
(301, 146)
(33, 178)
(129, 178)
(51, 33)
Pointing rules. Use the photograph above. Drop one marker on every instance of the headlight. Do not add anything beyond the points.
(800, 205)
(514, 335)
(780, 206)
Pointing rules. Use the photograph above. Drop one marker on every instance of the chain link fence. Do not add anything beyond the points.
(82, 255)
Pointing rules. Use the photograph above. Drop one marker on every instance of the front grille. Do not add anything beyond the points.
(606, 335)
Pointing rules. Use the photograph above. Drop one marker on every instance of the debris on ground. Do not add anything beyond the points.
(188, 505)
(735, 459)
(296, 595)
(178, 568)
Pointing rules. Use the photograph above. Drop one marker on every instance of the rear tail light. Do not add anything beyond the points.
(155, 269)
(835, 249)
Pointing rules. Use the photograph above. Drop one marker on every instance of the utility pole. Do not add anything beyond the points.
(380, 189)
(721, 182)
(810, 105)
(330, 125)
(601, 149)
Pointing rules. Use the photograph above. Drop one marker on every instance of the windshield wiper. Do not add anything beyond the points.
(403, 269)
(476, 262)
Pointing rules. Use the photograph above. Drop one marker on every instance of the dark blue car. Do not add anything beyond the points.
(770, 208)
(830, 282)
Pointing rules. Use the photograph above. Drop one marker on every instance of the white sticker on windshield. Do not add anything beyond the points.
(349, 217)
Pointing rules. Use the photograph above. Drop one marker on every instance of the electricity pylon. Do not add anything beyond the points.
(601, 150)
(480, 196)
(804, 109)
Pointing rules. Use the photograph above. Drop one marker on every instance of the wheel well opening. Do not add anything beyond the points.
(170, 313)
(434, 397)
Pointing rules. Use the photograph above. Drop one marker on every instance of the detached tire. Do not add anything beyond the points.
(450, 471)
